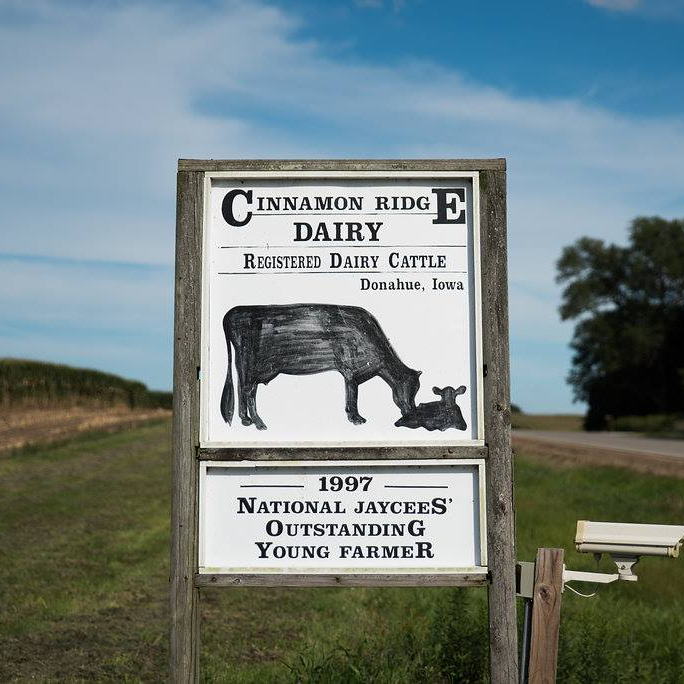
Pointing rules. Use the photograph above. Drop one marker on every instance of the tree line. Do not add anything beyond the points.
(628, 304)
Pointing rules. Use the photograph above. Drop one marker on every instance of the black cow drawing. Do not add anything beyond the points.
(436, 415)
(301, 339)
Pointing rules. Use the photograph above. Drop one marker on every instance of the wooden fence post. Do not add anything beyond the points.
(546, 610)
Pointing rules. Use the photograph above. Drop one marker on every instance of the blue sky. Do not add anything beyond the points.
(585, 98)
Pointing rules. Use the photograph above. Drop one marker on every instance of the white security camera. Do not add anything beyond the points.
(627, 542)
(629, 538)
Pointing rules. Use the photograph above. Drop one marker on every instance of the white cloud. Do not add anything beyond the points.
(107, 316)
(396, 5)
(99, 100)
(616, 5)
(654, 9)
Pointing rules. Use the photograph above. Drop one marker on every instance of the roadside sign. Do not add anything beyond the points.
(342, 517)
(341, 383)
(333, 305)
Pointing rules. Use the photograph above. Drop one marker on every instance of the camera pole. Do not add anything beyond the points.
(546, 607)
(526, 634)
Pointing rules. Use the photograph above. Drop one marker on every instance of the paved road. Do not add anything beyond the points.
(619, 441)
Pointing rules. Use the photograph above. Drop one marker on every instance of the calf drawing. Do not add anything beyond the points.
(301, 339)
(436, 415)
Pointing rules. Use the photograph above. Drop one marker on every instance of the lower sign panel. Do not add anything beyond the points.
(342, 517)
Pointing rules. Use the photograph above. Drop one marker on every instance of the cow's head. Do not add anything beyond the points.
(404, 392)
(449, 395)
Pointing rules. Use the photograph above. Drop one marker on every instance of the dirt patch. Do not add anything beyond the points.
(26, 427)
(590, 455)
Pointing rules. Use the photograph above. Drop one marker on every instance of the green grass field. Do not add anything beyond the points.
(539, 421)
(84, 543)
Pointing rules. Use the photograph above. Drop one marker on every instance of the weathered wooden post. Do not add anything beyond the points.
(546, 611)
(503, 634)
(184, 609)
(379, 270)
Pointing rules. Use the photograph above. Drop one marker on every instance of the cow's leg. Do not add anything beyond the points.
(351, 387)
(243, 385)
(242, 407)
(251, 406)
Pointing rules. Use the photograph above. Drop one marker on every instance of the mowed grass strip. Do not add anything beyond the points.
(554, 422)
(84, 538)
(84, 533)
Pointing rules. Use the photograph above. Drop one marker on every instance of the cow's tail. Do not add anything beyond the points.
(227, 396)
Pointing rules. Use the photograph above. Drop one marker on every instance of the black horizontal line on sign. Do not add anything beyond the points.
(276, 272)
(337, 246)
(280, 486)
(387, 212)
(416, 486)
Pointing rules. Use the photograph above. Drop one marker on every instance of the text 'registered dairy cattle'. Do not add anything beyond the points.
(302, 339)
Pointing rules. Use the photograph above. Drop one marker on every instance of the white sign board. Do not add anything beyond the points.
(342, 517)
(341, 310)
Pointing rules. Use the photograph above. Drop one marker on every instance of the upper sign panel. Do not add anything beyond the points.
(341, 310)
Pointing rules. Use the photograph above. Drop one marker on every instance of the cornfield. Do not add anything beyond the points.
(34, 384)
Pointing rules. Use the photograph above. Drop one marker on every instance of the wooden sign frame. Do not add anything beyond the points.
(495, 453)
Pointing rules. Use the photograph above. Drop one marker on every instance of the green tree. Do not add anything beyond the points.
(629, 306)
